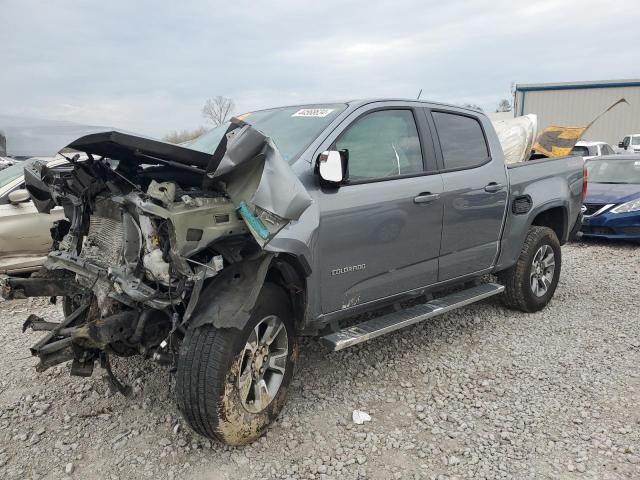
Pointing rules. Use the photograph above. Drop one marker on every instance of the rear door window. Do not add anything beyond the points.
(461, 139)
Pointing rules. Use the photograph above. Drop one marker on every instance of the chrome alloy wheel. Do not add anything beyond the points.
(543, 268)
(263, 364)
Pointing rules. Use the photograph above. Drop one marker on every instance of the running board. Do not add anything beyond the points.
(395, 321)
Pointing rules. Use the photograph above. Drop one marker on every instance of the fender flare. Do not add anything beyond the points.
(227, 301)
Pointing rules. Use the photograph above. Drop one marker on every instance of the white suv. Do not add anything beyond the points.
(630, 143)
(589, 150)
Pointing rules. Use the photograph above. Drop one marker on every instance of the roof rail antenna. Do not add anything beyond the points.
(419, 94)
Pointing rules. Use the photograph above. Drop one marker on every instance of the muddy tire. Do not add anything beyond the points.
(532, 281)
(231, 384)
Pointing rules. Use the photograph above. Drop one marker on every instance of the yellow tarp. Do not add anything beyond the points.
(557, 141)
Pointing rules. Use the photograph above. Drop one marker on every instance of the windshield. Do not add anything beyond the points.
(9, 174)
(579, 151)
(614, 171)
(291, 128)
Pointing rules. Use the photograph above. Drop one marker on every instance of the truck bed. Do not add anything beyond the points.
(540, 184)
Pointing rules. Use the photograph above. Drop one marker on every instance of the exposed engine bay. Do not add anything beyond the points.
(147, 227)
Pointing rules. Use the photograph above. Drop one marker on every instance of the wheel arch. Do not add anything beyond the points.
(552, 214)
(228, 299)
(555, 218)
(291, 274)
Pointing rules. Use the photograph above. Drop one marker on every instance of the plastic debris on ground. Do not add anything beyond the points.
(359, 417)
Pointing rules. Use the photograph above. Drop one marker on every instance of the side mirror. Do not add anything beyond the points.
(332, 166)
(19, 196)
(620, 144)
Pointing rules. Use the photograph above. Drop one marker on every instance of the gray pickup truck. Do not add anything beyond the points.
(215, 257)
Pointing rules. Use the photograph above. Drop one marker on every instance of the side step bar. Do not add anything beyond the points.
(395, 321)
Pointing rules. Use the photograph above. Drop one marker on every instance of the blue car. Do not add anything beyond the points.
(612, 204)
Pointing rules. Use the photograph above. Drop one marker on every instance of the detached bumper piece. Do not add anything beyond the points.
(57, 345)
(65, 341)
(12, 288)
(84, 338)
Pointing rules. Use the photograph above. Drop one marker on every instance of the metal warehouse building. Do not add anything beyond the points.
(575, 104)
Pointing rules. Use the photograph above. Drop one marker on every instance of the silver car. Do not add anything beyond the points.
(24, 233)
(6, 162)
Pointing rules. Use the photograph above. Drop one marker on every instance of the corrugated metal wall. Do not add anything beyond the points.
(578, 107)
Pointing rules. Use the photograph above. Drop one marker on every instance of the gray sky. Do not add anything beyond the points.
(148, 66)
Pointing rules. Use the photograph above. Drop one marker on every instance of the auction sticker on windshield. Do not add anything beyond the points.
(313, 112)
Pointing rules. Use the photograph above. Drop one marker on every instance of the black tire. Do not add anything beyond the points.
(207, 377)
(517, 280)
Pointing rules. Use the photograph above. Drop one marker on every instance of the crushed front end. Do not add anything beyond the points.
(147, 227)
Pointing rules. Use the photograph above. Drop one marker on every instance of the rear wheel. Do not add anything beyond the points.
(231, 384)
(531, 282)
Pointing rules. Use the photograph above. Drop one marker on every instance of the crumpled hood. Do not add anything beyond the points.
(611, 192)
(45, 138)
(247, 163)
(128, 146)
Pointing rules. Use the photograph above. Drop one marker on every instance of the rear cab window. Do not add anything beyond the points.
(579, 151)
(462, 140)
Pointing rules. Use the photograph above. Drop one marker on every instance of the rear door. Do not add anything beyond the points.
(475, 193)
(379, 234)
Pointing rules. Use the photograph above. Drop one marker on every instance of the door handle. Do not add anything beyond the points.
(426, 197)
(493, 187)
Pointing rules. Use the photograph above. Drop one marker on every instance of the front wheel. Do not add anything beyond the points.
(532, 281)
(231, 384)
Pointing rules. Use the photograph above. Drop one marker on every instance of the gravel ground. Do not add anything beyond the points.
(480, 393)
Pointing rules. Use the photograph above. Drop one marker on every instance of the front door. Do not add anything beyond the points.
(380, 233)
(25, 234)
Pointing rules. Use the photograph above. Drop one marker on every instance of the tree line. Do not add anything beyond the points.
(215, 111)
